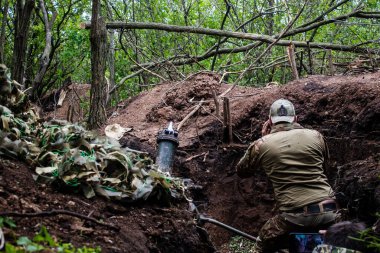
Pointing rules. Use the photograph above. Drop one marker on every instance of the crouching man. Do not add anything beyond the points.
(294, 159)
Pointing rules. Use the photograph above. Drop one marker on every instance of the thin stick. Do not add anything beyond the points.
(310, 59)
(331, 64)
(190, 114)
(56, 212)
(216, 103)
(292, 61)
(147, 70)
(195, 156)
(217, 118)
(205, 157)
(230, 137)
(227, 118)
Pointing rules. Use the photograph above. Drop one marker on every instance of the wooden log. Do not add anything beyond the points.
(331, 67)
(216, 101)
(190, 114)
(227, 119)
(292, 61)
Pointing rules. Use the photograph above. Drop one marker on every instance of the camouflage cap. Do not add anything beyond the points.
(282, 110)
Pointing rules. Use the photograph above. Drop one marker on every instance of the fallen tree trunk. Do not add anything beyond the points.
(238, 35)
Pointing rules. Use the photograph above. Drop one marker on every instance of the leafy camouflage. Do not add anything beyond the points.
(325, 248)
(73, 157)
(11, 94)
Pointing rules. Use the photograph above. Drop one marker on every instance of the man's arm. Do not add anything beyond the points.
(250, 161)
(326, 155)
(325, 152)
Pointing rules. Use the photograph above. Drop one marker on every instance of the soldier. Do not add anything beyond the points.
(294, 159)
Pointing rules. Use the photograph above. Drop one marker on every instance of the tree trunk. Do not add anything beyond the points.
(270, 18)
(98, 94)
(24, 10)
(45, 57)
(111, 59)
(2, 35)
(292, 61)
(111, 65)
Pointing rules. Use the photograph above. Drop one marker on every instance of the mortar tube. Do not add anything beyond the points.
(220, 224)
(167, 141)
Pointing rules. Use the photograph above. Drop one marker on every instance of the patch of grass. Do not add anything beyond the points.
(370, 238)
(41, 242)
(240, 244)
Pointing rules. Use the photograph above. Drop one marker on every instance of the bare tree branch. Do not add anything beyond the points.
(267, 49)
(320, 17)
(219, 41)
(125, 79)
(45, 57)
(125, 50)
(210, 52)
(190, 114)
(241, 27)
(362, 14)
(239, 35)
(300, 29)
(322, 23)
(258, 38)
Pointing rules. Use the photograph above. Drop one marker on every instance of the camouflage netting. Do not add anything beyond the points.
(71, 156)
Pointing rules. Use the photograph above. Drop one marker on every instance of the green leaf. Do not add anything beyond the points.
(23, 240)
(9, 222)
(9, 248)
(34, 247)
(44, 236)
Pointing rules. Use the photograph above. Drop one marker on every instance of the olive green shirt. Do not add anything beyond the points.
(294, 160)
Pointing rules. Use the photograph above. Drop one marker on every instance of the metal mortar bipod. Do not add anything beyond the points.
(203, 219)
(167, 141)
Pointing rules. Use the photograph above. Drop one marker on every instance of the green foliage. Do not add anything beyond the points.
(85, 104)
(372, 241)
(7, 222)
(240, 244)
(44, 242)
(71, 45)
(370, 238)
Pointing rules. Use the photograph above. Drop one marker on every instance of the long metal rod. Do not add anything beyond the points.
(220, 224)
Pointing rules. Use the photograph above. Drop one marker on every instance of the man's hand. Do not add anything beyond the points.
(266, 128)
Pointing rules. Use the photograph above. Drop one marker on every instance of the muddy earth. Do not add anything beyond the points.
(345, 109)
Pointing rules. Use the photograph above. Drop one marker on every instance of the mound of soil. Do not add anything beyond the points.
(346, 109)
(75, 96)
(94, 222)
